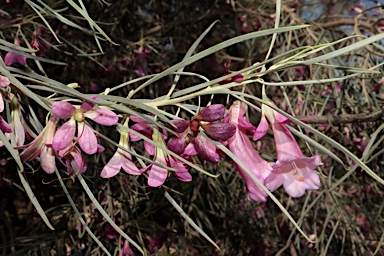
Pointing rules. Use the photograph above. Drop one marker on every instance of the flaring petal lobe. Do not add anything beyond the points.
(112, 167)
(64, 135)
(63, 109)
(103, 116)
(87, 139)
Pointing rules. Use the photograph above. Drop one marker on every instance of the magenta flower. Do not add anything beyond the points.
(126, 250)
(121, 159)
(42, 145)
(241, 146)
(207, 120)
(294, 171)
(11, 57)
(158, 174)
(37, 44)
(237, 78)
(86, 137)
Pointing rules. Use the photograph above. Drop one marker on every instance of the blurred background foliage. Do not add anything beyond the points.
(147, 37)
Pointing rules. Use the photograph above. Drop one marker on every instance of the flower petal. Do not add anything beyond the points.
(219, 131)
(285, 143)
(4, 81)
(102, 116)
(157, 176)
(143, 128)
(87, 106)
(177, 145)
(112, 167)
(87, 139)
(47, 160)
(211, 113)
(64, 135)
(1, 103)
(182, 171)
(4, 126)
(206, 150)
(63, 109)
(261, 129)
(128, 166)
(79, 160)
(180, 125)
(9, 58)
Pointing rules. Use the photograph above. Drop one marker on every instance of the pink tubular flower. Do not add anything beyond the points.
(242, 148)
(11, 57)
(86, 137)
(294, 171)
(121, 159)
(42, 145)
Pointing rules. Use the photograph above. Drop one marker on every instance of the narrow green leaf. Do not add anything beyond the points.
(33, 199)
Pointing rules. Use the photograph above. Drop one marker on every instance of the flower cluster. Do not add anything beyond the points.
(172, 146)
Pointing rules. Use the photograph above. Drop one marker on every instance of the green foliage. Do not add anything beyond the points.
(168, 59)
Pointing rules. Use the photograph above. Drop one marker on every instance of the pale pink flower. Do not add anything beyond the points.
(294, 171)
(86, 137)
(241, 146)
(42, 145)
(121, 159)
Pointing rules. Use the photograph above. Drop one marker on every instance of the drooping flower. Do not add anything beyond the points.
(18, 124)
(157, 173)
(237, 78)
(295, 172)
(11, 57)
(207, 119)
(86, 137)
(4, 126)
(121, 159)
(73, 153)
(39, 44)
(241, 146)
(42, 145)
